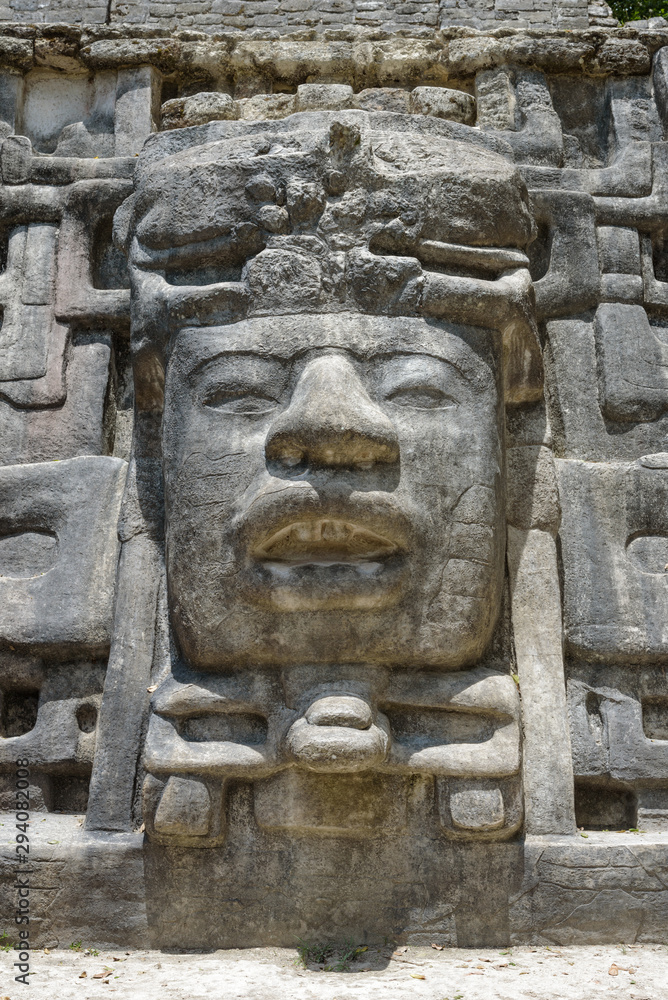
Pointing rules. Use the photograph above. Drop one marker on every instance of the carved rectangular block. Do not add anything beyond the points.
(632, 363)
(614, 537)
(332, 804)
(58, 551)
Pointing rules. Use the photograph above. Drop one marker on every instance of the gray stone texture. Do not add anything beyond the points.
(333, 412)
(319, 15)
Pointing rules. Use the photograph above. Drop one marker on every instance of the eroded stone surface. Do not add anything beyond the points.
(333, 417)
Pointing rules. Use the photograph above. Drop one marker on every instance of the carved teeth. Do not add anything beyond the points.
(327, 540)
(291, 458)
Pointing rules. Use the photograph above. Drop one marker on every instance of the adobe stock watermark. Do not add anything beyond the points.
(22, 870)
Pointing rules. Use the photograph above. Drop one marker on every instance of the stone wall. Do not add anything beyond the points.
(284, 16)
(428, 697)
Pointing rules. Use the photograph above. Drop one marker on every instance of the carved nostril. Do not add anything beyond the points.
(332, 421)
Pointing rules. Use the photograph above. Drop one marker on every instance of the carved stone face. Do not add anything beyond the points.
(334, 491)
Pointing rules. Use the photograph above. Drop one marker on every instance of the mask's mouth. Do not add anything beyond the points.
(324, 542)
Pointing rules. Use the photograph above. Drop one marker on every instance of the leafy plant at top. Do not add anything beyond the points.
(5, 942)
(638, 10)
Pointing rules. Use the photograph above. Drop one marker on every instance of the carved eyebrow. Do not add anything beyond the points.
(468, 375)
(472, 373)
(200, 364)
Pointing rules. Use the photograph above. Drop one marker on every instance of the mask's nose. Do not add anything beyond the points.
(332, 421)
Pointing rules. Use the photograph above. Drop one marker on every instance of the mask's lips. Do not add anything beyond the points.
(325, 541)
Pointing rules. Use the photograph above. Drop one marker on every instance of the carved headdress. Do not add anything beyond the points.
(329, 212)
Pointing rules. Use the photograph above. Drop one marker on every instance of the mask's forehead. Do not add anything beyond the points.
(473, 352)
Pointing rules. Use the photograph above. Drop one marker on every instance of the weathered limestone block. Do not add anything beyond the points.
(136, 109)
(443, 103)
(32, 429)
(58, 552)
(608, 728)
(32, 344)
(547, 764)
(49, 716)
(324, 97)
(571, 280)
(383, 99)
(198, 109)
(571, 887)
(619, 728)
(613, 533)
(580, 429)
(633, 364)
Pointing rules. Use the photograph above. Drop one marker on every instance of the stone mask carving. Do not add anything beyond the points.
(331, 315)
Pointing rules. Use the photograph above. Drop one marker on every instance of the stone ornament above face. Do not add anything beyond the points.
(328, 212)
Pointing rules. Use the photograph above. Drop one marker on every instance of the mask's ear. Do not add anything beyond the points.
(122, 224)
(149, 379)
(522, 355)
(506, 304)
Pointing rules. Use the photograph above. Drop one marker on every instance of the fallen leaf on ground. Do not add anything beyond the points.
(417, 975)
(613, 970)
(84, 975)
(438, 947)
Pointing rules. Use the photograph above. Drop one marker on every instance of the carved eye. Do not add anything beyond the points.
(421, 397)
(240, 401)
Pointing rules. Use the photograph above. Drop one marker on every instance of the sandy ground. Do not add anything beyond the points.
(575, 973)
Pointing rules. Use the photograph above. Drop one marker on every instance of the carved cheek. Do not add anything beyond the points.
(213, 462)
(207, 485)
(443, 455)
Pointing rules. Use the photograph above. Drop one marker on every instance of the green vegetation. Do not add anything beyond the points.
(5, 942)
(340, 955)
(638, 10)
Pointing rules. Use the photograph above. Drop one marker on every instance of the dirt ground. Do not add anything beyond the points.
(569, 973)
